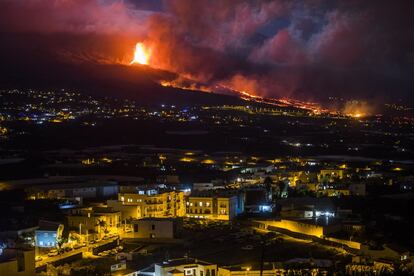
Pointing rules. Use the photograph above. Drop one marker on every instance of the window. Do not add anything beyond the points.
(213, 272)
(135, 227)
(201, 273)
(153, 227)
(200, 204)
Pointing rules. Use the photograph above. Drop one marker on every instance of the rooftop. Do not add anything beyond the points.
(182, 261)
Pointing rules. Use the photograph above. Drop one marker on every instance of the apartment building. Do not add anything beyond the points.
(213, 207)
(151, 203)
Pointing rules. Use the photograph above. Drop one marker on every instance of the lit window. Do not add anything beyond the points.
(122, 198)
(200, 204)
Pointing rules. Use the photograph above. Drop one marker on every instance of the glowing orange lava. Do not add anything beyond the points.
(141, 54)
(356, 115)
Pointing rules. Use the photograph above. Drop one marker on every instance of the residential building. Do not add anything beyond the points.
(17, 262)
(357, 189)
(48, 234)
(185, 267)
(74, 190)
(155, 228)
(214, 207)
(330, 175)
(94, 220)
(150, 203)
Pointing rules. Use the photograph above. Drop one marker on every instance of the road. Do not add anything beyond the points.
(46, 259)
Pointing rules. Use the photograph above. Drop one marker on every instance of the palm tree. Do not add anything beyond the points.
(103, 224)
(59, 243)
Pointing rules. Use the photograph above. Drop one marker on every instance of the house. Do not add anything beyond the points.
(155, 228)
(73, 190)
(94, 220)
(150, 203)
(184, 267)
(17, 262)
(48, 234)
(219, 207)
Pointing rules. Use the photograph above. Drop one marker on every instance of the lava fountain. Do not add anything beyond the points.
(141, 54)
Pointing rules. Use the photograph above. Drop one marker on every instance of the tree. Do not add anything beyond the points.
(104, 225)
(60, 241)
(74, 237)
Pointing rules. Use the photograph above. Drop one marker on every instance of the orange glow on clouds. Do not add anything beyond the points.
(141, 54)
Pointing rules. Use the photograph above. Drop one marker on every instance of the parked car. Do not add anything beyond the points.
(79, 245)
(38, 258)
(53, 253)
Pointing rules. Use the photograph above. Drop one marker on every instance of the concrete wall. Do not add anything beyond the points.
(22, 265)
(301, 227)
(350, 244)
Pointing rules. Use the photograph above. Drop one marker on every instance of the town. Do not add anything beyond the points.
(168, 209)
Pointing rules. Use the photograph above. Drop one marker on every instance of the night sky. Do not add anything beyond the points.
(301, 49)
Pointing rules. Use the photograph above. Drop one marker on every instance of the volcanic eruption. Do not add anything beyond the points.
(141, 54)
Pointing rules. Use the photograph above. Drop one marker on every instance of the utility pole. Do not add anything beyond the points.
(262, 256)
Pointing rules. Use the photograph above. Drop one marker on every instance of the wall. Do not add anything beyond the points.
(350, 244)
(301, 227)
(127, 211)
(163, 229)
(45, 238)
(25, 261)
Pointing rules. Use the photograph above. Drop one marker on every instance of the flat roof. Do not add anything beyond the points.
(182, 261)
